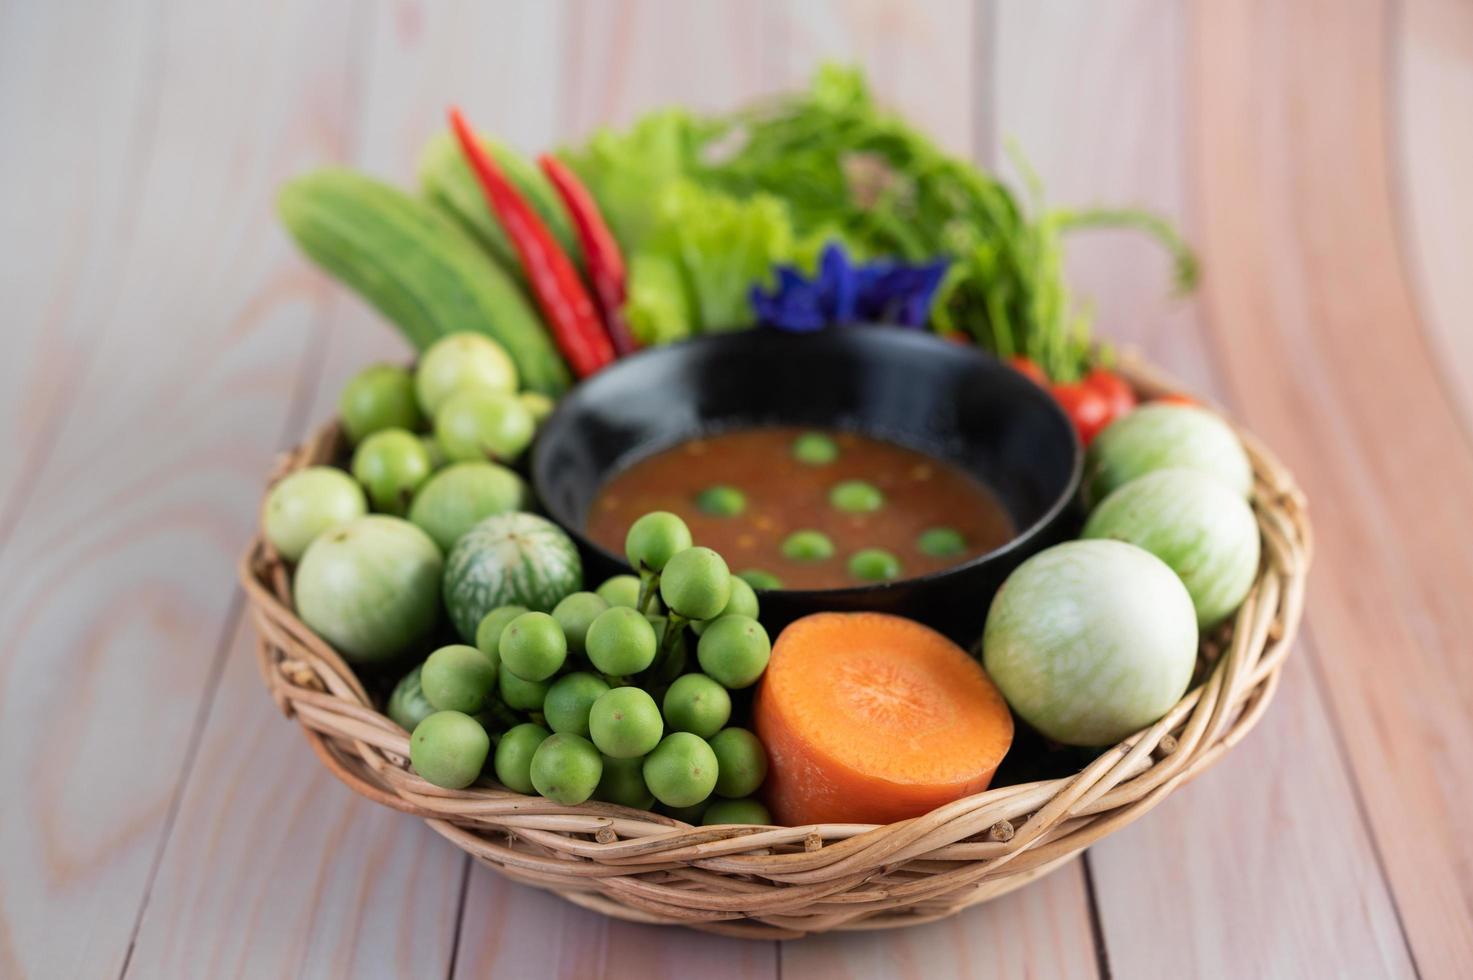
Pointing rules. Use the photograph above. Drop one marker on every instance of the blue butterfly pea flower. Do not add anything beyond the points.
(843, 293)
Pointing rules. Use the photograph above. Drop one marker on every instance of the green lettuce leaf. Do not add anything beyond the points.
(626, 171)
(708, 203)
(723, 246)
(657, 306)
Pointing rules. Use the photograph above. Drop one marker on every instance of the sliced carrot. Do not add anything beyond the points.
(869, 718)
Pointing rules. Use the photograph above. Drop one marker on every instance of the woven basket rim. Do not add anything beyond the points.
(792, 881)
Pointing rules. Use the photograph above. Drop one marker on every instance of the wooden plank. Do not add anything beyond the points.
(1091, 100)
(1319, 337)
(1271, 843)
(274, 869)
(920, 59)
(418, 60)
(131, 518)
(342, 886)
(924, 60)
(327, 883)
(614, 61)
(621, 58)
(511, 930)
(118, 585)
(60, 275)
(1433, 136)
(503, 64)
(1041, 930)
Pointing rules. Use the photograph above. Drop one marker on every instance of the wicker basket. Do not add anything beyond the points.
(788, 882)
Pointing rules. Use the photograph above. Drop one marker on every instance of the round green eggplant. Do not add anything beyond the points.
(1091, 641)
(1203, 530)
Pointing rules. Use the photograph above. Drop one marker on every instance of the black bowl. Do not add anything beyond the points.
(949, 401)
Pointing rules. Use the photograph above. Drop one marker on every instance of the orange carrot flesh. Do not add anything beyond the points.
(870, 718)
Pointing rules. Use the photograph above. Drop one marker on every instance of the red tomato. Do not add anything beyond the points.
(1029, 369)
(1119, 395)
(1086, 407)
(1175, 398)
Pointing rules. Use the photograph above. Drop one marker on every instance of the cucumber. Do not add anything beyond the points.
(417, 268)
(447, 182)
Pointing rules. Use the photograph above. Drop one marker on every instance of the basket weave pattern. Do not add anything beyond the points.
(788, 882)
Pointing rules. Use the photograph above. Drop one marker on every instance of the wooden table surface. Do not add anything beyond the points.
(163, 340)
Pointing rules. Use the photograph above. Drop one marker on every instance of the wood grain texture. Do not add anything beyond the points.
(512, 930)
(1432, 111)
(163, 339)
(62, 282)
(501, 63)
(920, 59)
(1092, 99)
(117, 594)
(611, 61)
(1313, 892)
(274, 869)
(1318, 334)
(381, 894)
(923, 60)
(267, 842)
(620, 58)
(1042, 930)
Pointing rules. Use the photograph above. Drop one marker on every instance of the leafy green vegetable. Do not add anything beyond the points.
(625, 171)
(657, 306)
(694, 252)
(698, 254)
(723, 246)
(834, 164)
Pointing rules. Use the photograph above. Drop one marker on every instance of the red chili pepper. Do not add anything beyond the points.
(565, 302)
(1086, 408)
(600, 250)
(1029, 369)
(1119, 395)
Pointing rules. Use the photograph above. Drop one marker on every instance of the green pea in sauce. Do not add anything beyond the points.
(808, 509)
